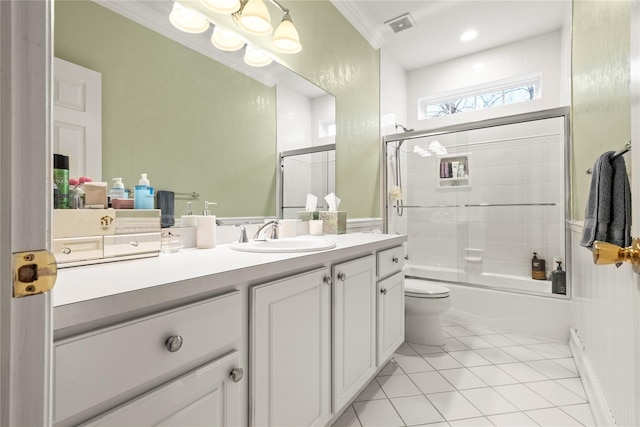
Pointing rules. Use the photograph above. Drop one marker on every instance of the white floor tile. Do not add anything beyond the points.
(516, 419)
(522, 353)
(412, 364)
(347, 419)
(581, 413)
(493, 376)
(496, 355)
(453, 405)
(555, 393)
(462, 378)
(449, 322)
(405, 350)
(552, 417)
(574, 385)
(431, 382)
(371, 392)
(442, 361)
(452, 344)
(442, 424)
(475, 342)
(524, 339)
(551, 350)
(471, 422)
(499, 340)
(479, 330)
(416, 410)
(488, 401)
(551, 369)
(457, 331)
(469, 358)
(391, 368)
(522, 372)
(426, 349)
(522, 397)
(377, 413)
(568, 364)
(398, 386)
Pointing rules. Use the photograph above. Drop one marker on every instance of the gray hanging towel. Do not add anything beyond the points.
(619, 231)
(597, 215)
(165, 201)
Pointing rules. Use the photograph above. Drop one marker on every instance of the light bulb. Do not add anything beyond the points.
(226, 40)
(222, 6)
(286, 38)
(255, 18)
(187, 20)
(256, 57)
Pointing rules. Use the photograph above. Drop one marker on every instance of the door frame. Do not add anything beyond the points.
(25, 218)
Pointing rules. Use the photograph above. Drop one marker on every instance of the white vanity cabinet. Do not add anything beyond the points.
(354, 327)
(177, 366)
(390, 302)
(290, 351)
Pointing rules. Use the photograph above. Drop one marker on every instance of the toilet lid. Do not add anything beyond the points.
(424, 289)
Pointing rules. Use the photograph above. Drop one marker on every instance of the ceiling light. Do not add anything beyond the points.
(256, 57)
(187, 20)
(254, 18)
(222, 6)
(226, 40)
(286, 38)
(469, 35)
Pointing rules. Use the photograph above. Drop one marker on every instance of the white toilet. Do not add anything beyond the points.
(425, 301)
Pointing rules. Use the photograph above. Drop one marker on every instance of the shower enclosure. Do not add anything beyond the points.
(477, 200)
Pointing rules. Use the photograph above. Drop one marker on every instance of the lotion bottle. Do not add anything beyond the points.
(538, 270)
(143, 194)
(206, 229)
(117, 191)
(559, 280)
(189, 220)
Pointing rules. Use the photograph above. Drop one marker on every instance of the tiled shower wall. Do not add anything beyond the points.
(458, 240)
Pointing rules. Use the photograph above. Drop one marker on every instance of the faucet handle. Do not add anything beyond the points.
(243, 234)
(274, 229)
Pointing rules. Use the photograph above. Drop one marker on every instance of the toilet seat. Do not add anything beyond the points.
(424, 289)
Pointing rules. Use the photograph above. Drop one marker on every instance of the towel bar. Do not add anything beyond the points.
(626, 149)
(607, 253)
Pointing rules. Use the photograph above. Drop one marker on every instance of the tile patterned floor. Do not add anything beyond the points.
(480, 377)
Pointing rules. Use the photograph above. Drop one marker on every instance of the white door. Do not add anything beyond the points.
(354, 327)
(390, 315)
(77, 118)
(290, 351)
(25, 197)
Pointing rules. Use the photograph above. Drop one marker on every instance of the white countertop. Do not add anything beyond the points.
(220, 266)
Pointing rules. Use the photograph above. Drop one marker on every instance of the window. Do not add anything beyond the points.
(480, 98)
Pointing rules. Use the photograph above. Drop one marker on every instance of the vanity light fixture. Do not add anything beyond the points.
(256, 57)
(253, 17)
(222, 6)
(187, 20)
(226, 40)
(286, 38)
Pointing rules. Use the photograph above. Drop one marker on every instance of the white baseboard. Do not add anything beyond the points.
(601, 413)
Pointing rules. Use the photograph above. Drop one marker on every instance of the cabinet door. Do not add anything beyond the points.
(390, 316)
(290, 351)
(354, 327)
(207, 396)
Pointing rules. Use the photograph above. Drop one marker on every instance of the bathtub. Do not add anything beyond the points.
(540, 316)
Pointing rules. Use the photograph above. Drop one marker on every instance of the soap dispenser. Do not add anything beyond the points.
(538, 269)
(117, 191)
(206, 231)
(559, 279)
(189, 220)
(143, 194)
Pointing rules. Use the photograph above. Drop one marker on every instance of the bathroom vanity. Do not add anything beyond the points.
(226, 338)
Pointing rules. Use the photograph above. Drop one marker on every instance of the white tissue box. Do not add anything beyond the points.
(334, 222)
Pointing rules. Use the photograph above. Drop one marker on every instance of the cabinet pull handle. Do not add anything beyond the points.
(395, 259)
(174, 343)
(236, 374)
(66, 250)
(342, 276)
(134, 243)
(383, 291)
(327, 280)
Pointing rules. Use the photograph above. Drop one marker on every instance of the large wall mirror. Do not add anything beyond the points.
(196, 120)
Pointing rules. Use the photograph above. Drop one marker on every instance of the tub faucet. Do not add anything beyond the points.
(274, 230)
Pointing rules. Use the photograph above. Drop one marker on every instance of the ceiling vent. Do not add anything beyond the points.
(401, 23)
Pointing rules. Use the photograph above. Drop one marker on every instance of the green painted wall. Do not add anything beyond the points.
(600, 78)
(193, 124)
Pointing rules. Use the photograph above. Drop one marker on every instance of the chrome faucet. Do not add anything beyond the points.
(243, 234)
(274, 230)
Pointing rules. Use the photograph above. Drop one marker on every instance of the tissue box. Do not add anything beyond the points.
(334, 222)
(95, 194)
(307, 215)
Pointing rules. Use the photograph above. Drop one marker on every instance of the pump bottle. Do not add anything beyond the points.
(143, 194)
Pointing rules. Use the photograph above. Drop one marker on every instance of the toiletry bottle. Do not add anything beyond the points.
(61, 179)
(117, 191)
(559, 280)
(189, 220)
(206, 230)
(538, 270)
(143, 194)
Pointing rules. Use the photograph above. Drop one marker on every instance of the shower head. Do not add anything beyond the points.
(404, 129)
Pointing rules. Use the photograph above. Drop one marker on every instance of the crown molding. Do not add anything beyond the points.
(360, 22)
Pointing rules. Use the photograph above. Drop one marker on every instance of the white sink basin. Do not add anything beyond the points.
(285, 245)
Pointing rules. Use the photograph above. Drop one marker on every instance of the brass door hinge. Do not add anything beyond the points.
(34, 272)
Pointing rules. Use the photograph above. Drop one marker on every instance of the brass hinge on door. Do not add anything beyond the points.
(34, 272)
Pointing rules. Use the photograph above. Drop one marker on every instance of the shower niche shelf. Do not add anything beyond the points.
(453, 171)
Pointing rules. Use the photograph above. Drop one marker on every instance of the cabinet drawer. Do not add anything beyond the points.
(390, 261)
(96, 367)
(77, 248)
(131, 244)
